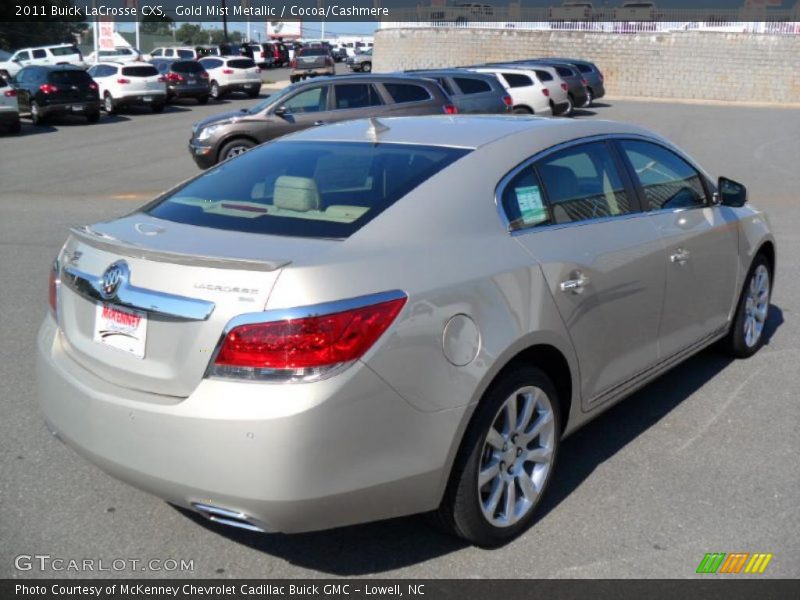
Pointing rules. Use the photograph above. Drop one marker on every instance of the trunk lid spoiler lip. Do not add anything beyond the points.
(102, 241)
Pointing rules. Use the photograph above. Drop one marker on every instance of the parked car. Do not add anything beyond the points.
(185, 79)
(594, 77)
(528, 95)
(228, 74)
(385, 317)
(559, 90)
(577, 91)
(61, 89)
(175, 52)
(472, 93)
(312, 103)
(261, 54)
(54, 54)
(119, 54)
(279, 52)
(310, 62)
(9, 108)
(360, 62)
(129, 84)
(339, 53)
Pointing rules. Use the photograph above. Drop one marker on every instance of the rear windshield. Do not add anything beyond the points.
(544, 76)
(70, 77)
(304, 189)
(185, 54)
(187, 66)
(65, 50)
(140, 71)
(406, 92)
(241, 63)
(312, 52)
(472, 85)
(565, 71)
(584, 68)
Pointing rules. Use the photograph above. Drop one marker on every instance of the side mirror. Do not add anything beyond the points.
(731, 193)
(280, 111)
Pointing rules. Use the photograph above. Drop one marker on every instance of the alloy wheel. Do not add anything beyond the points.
(756, 306)
(236, 151)
(517, 457)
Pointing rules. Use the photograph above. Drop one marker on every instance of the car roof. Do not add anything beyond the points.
(61, 45)
(54, 67)
(119, 63)
(473, 131)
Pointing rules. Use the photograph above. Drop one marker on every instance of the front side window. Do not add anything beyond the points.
(304, 189)
(308, 101)
(19, 56)
(356, 95)
(517, 80)
(186, 54)
(668, 181)
(169, 52)
(158, 52)
(583, 183)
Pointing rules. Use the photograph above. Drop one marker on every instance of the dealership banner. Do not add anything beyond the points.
(421, 589)
(445, 12)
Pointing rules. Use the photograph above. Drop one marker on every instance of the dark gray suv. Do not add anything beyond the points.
(472, 93)
(315, 102)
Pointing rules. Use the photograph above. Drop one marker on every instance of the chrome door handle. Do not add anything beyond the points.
(680, 257)
(574, 285)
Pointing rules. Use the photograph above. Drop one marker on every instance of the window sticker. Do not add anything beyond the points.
(531, 207)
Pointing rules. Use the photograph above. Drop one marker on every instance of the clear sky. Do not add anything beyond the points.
(311, 29)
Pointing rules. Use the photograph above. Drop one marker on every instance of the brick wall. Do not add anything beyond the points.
(688, 65)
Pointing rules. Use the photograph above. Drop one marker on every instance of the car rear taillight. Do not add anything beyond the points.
(227, 71)
(305, 348)
(507, 100)
(48, 88)
(10, 93)
(203, 75)
(174, 77)
(55, 282)
(93, 86)
(294, 63)
(546, 92)
(123, 81)
(450, 109)
(564, 87)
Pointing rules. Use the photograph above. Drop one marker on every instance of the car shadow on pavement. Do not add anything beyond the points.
(582, 112)
(396, 543)
(600, 105)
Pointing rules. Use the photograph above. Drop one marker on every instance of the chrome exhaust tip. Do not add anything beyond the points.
(226, 516)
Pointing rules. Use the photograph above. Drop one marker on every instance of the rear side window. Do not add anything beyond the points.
(158, 52)
(517, 80)
(185, 54)
(471, 85)
(187, 66)
(64, 50)
(313, 100)
(565, 72)
(140, 71)
(584, 68)
(304, 189)
(70, 77)
(668, 181)
(356, 95)
(39, 54)
(583, 183)
(241, 63)
(406, 92)
(445, 85)
(544, 76)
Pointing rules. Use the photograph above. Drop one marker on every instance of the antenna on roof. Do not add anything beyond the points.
(375, 128)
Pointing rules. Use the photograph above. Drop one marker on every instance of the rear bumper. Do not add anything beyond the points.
(8, 117)
(77, 108)
(292, 457)
(242, 86)
(186, 91)
(598, 90)
(303, 73)
(145, 98)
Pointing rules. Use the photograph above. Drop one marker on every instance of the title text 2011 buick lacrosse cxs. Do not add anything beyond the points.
(378, 318)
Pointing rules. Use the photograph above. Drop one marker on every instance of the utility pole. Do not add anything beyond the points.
(224, 21)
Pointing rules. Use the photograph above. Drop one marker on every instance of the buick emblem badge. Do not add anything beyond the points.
(114, 276)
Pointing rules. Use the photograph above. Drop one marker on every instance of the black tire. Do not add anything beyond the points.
(158, 107)
(202, 99)
(214, 89)
(93, 117)
(108, 104)
(366, 67)
(460, 512)
(15, 128)
(589, 97)
(293, 79)
(242, 144)
(570, 105)
(37, 118)
(254, 93)
(735, 344)
(522, 110)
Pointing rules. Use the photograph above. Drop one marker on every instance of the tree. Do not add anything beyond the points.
(45, 30)
(189, 33)
(156, 25)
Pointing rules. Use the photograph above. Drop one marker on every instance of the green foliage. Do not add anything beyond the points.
(46, 30)
(192, 34)
(156, 25)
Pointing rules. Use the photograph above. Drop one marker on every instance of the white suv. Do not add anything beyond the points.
(128, 84)
(528, 94)
(119, 53)
(56, 54)
(183, 53)
(228, 74)
(9, 109)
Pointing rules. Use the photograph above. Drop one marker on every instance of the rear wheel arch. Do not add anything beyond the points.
(767, 250)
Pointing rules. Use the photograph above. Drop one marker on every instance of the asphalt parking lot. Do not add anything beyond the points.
(703, 460)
